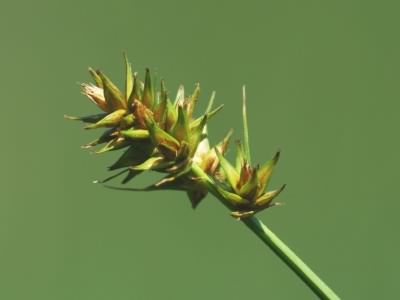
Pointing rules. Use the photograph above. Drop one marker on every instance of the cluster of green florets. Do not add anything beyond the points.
(158, 134)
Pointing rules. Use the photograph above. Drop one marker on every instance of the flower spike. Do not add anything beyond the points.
(164, 136)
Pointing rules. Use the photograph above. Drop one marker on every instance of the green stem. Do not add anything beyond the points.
(321, 289)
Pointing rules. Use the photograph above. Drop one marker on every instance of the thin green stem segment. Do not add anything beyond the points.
(321, 289)
(290, 259)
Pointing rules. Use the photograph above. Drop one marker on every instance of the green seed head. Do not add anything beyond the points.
(244, 186)
(157, 134)
(161, 135)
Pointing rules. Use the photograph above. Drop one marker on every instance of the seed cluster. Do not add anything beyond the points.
(162, 135)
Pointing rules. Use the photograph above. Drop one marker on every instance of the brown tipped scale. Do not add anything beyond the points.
(113, 96)
(148, 92)
(96, 95)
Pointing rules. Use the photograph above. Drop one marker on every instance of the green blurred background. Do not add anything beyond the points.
(322, 80)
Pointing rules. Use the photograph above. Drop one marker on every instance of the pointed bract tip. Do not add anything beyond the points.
(229, 134)
(240, 215)
(277, 156)
(70, 117)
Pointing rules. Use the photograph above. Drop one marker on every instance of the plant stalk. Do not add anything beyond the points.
(320, 288)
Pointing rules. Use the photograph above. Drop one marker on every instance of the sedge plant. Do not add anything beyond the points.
(157, 133)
